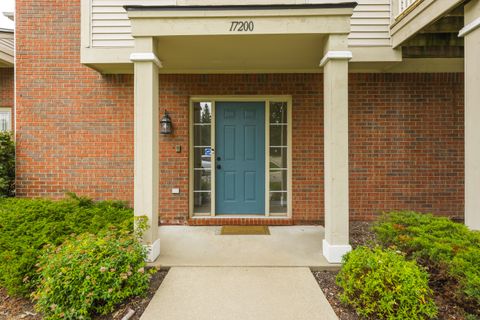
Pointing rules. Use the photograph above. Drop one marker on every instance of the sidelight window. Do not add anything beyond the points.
(278, 157)
(202, 157)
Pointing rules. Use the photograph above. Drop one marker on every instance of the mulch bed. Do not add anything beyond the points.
(361, 234)
(16, 308)
(12, 308)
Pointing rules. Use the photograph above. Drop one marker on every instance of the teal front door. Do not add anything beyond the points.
(240, 158)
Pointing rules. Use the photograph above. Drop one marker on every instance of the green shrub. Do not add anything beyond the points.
(447, 248)
(90, 274)
(382, 284)
(27, 225)
(7, 165)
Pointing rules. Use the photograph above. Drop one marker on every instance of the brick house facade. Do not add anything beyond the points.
(75, 129)
(401, 158)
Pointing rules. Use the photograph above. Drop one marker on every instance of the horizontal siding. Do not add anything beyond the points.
(6, 44)
(110, 26)
(370, 24)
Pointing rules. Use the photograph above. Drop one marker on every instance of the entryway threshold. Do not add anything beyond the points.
(203, 246)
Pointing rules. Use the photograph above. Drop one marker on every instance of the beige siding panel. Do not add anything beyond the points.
(113, 43)
(374, 2)
(110, 36)
(111, 23)
(112, 30)
(377, 7)
(371, 15)
(110, 26)
(370, 35)
(370, 24)
(121, 3)
(108, 9)
(367, 28)
(371, 42)
(109, 16)
(7, 44)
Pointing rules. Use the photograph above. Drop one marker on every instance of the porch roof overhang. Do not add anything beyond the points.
(6, 48)
(202, 39)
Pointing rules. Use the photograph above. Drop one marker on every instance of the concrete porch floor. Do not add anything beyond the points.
(286, 246)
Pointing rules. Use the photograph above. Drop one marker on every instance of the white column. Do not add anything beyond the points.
(471, 32)
(146, 163)
(335, 73)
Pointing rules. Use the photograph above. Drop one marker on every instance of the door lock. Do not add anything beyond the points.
(218, 158)
(219, 166)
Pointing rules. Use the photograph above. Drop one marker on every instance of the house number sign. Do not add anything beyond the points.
(245, 26)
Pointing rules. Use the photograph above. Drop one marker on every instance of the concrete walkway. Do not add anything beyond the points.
(243, 293)
(288, 246)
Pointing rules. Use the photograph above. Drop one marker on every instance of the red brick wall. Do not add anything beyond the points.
(406, 143)
(406, 140)
(75, 128)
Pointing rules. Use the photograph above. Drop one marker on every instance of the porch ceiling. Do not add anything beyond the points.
(241, 53)
(208, 39)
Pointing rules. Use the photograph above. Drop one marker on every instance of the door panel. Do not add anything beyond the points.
(250, 142)
(229, 148)
(229, 185)
(240, 153)
(250, 186)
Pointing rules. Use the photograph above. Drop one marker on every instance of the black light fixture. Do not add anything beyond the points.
(166, 124)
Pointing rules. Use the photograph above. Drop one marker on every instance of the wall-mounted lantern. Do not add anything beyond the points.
(166, 124)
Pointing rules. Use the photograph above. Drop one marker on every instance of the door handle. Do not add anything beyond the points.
(218, 158)
(219, 166)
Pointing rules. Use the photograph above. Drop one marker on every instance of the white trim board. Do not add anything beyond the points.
(145, 57)
(469, 27)
(335, 55)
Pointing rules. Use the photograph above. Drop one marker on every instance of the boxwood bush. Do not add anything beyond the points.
(450, 250)
(27, 225)
(382, 284)
(7, 165)
(90, 274)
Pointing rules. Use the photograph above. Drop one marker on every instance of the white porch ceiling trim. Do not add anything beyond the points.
(469, 27)
(145, 57)
(335, 55)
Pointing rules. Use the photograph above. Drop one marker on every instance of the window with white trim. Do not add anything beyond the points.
(5, 119)
(202, 157)
(278, 176)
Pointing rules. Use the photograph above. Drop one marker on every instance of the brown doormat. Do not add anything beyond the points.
(245, 230)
